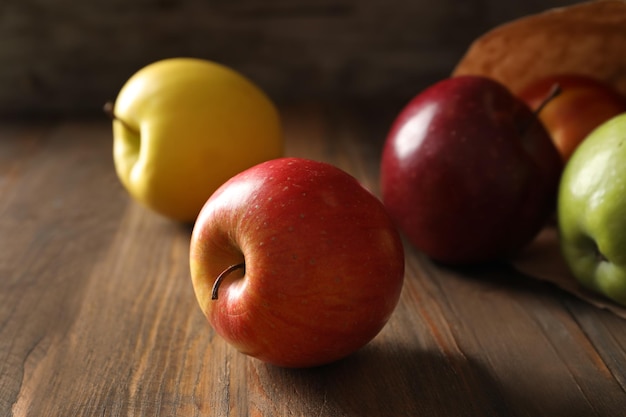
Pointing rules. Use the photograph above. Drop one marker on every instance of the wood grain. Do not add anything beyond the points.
(98, 317)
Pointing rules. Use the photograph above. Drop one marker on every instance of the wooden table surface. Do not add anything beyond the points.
(98, 316)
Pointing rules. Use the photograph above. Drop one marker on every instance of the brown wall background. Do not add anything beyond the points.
(67, 57)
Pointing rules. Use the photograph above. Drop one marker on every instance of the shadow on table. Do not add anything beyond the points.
(388, 382)
(381, 381)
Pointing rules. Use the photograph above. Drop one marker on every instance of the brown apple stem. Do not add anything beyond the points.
(223, 275)
(554, 91)
(109, 111)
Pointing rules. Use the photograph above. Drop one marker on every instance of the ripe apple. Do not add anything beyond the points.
(295, 263)
(582, 105)
(467, 172)
(183, 126)
(592, 210)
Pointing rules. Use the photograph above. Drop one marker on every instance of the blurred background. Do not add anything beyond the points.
(67, 57)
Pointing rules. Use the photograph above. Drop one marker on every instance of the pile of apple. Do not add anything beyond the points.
(295, 263)
(471, 172)
(586, 39)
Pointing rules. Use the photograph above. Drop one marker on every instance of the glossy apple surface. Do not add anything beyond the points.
(592, 210)
(184, 126)
(467, 171)
(583, 104)
(324, 263)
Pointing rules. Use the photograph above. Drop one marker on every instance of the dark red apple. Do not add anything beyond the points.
(467, 172)
(313, 263)
(583, 104)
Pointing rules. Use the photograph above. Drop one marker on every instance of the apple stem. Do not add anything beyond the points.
(109, 111)
(554, 91)
(223, 275)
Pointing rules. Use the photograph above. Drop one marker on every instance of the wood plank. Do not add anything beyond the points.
(58, 202)
(98, 316)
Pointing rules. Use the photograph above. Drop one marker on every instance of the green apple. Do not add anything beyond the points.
(592, 210)
(183, 126)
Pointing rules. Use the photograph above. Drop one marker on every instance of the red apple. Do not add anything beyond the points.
(318, 264)
(583, 104)
(468, 172)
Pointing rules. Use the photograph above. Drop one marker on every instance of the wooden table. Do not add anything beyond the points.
(98, 316)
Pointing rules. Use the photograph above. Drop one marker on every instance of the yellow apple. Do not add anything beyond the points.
(183, 126)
